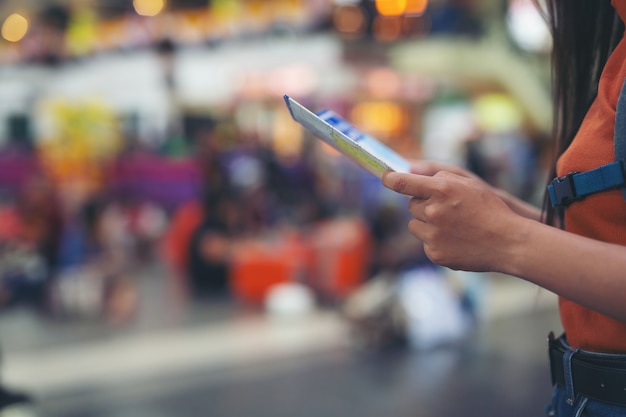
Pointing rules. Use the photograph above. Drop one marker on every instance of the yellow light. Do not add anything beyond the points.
(287, 142)
(415, 7)
(381, 119)
(14, 27)
(391, 7)
(497, 112)
(148, 7)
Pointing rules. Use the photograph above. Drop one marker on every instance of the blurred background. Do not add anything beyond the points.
(172, 243)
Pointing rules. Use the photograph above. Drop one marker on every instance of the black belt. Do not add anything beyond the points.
(599, 378)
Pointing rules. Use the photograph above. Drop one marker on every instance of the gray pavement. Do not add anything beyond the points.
(499, 370)
(220, 360)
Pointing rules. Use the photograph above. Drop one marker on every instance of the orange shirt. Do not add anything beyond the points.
(600, 216)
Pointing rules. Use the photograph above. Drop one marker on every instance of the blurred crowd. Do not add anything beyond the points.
(69, 247)
(64, 257)
(131, 144)
(230, 204)
(226, 214)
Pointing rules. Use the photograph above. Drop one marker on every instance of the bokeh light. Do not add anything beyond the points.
(349, 20)
(383, 83)
(391, 7)
(379, 118)
(497, 112)
(415, 7)
(148, 7)
(14, 27)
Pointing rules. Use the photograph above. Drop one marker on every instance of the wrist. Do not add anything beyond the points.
(513, 254)
(519, 206)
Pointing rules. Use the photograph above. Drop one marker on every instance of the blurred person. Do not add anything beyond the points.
(376, 316)
(250, 167)
(575, 250)
(503, 159)
(47, 42)
(296, 193)
(211, 244)
(131, 228)
(93, 280)
(24, 269)
(197, 242)
(41, 219)
(408, 300)
(393, 249)
(185, 219)
(30, 245)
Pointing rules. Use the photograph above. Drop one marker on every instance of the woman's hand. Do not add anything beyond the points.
(466, 224)
(462, 221)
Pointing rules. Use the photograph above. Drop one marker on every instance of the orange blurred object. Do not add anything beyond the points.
(259, 264)
(333, 259)
(341, 249)
(415, 7)
(10, 224)
(391, 7)
(185, 220)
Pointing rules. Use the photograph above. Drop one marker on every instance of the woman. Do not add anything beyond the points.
(465, 224)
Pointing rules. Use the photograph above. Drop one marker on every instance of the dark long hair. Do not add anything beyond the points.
(584, 33)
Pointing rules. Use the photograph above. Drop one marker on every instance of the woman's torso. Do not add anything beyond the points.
(601, 216)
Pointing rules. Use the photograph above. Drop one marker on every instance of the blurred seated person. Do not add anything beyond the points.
(211, 245)
(198, 242)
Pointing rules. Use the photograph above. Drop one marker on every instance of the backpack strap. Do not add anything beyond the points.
(577, 185)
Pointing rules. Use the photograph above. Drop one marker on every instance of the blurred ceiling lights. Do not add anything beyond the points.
(384, 20)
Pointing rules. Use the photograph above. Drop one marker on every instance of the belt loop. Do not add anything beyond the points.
(567, 370)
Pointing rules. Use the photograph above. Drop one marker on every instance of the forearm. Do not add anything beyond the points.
(583, 270)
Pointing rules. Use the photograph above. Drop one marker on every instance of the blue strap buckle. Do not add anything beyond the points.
(562, 190)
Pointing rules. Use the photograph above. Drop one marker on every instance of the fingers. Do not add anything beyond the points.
(409, 184)
(417, 208)
(431, 168)
(422, 231)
